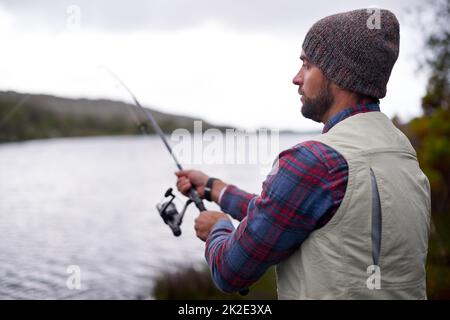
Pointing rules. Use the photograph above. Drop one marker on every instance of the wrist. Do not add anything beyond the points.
(217, 188)
(213, 188)
(208, 188)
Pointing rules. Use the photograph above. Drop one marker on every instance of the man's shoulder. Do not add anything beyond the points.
(312, 153)
(308, 148)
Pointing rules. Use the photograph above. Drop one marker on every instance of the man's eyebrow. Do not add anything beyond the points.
(304, 58)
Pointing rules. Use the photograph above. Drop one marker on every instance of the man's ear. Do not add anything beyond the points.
(335, 89)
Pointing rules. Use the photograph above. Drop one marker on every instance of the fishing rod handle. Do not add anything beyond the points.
(193, 194)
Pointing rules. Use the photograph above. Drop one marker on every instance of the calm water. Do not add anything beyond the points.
(90, 202)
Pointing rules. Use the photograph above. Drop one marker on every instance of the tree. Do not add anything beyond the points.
(438, 59)
(430, 134)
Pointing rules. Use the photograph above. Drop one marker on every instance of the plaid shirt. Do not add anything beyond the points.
(301, 197)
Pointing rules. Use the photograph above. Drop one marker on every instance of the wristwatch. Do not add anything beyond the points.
(208, 188)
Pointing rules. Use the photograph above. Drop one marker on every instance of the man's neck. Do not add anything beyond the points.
(338, 105)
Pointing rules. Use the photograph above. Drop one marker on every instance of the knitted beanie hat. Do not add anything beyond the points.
(356, 49)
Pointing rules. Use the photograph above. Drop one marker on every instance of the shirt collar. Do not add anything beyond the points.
(348, 112)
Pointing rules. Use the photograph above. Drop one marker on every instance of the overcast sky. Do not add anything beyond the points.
(228, 62)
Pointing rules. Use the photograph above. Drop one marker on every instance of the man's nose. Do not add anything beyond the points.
(298, 79)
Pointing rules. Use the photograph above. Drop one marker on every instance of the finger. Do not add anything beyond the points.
(180, 183)
(196, 225)
(185, 190)
(182, 173)
(202, 236)
(182, 180)
(185, 187)
(185, 183)
(179, 173)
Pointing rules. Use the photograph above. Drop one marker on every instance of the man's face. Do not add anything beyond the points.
(315, 90)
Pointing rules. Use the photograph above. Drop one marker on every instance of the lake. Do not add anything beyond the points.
(86, 207)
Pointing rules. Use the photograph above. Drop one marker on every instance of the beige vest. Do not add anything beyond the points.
(383, 220)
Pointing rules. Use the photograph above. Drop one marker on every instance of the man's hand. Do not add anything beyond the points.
(189, 178)
(205, 221)
(197, 179)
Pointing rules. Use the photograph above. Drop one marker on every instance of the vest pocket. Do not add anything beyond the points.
(376, 219)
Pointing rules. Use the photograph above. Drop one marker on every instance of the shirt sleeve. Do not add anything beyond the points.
(234, 201)
(274, 224)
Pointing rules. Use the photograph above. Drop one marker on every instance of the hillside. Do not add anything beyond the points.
(30, 116)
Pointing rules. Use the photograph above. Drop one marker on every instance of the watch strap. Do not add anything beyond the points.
(208, 188)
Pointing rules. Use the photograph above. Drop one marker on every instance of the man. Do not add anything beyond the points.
(346, 216)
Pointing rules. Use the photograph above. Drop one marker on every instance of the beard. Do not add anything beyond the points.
(316, 108)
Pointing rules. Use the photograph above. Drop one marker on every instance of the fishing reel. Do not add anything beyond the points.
(169, 212)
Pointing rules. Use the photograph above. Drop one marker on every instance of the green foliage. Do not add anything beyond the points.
(194, 284)
(430, 136)
(27, 116)
(438, 263)
(438, 59)
(25, 122)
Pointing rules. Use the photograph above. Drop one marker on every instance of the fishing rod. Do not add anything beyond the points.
(168, 210)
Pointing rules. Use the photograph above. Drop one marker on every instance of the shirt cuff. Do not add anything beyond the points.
(222, 225)
(221, 194)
